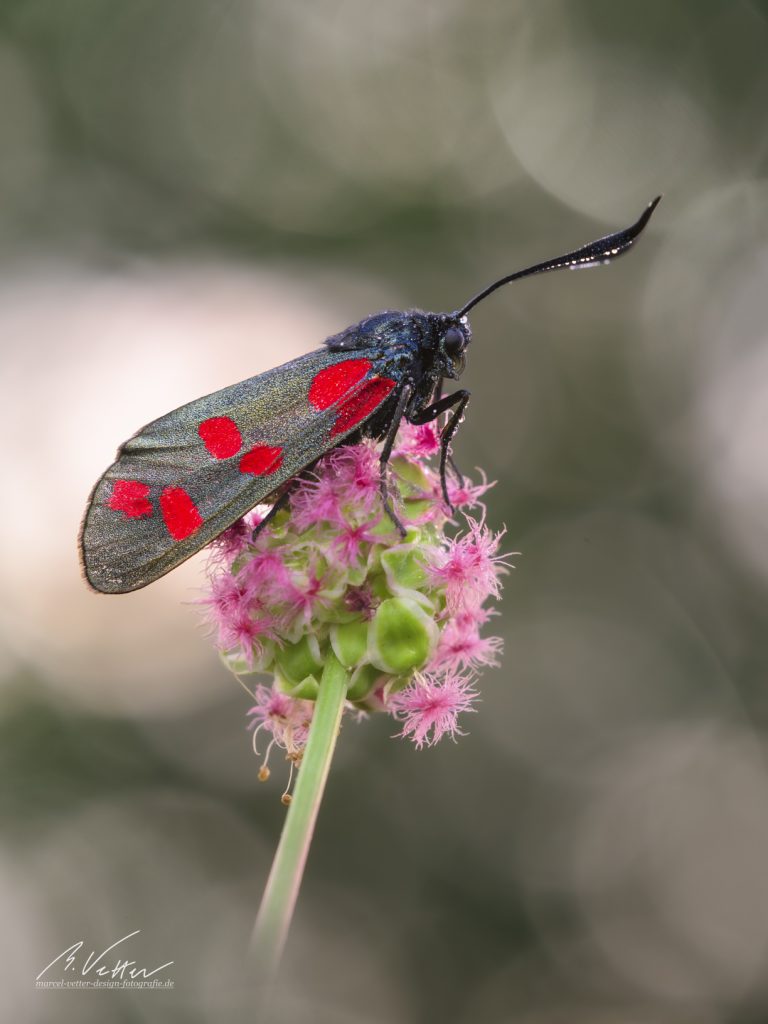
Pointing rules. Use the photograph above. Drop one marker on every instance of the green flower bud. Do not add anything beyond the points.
(349, 641)
(307, 689)
(301, 659)
(362, 682)
(402, 636)
(410, 477)
(404, 568)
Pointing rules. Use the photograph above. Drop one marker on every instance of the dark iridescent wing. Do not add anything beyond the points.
(184, 478)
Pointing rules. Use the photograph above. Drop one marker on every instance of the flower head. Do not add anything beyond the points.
(331, 572)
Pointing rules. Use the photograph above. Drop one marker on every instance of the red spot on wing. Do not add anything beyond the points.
(361, 404)
(262, 460)
(331, 384)
(221, 436)
(131, 498)
(180, 513)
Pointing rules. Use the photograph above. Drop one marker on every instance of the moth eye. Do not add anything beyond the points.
(454, 342)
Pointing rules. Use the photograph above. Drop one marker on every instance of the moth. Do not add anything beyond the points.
(185, 478)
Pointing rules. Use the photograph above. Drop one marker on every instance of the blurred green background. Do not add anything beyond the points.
(193, 191)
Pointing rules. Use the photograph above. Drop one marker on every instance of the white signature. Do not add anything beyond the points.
(95, 964)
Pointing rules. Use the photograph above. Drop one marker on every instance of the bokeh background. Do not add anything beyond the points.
(192, 191)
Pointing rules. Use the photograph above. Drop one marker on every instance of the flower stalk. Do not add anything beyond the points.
(279, 900)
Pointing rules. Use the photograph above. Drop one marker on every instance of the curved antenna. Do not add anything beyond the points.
(604, 250)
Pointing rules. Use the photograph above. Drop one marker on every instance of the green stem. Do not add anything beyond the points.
(279, 900)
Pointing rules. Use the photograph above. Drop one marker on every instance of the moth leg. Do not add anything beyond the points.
(282, 499)
(280, 503)
(457, 472)
(438, 394)
(458, 402)
(389, 440)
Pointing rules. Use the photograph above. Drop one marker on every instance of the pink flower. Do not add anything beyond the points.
(232, 543)
(309, 593)
(461, 646)
(246, 631)
(286, 718)
(271, 710)
(315, 500)
(229, 601)
(267, 574)
(462, 496)
(421, 441)
(357, 476)
(431, 706)
(349, 540)
(470, 567)
(467, 494)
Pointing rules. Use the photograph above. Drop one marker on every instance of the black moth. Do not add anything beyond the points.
(186, 477)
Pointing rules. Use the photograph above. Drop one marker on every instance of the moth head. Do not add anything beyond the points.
(455, 335)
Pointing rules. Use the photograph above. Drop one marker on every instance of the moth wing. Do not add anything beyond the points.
(184, 478)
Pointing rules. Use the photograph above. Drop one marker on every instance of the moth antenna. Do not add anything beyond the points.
(595, 254)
